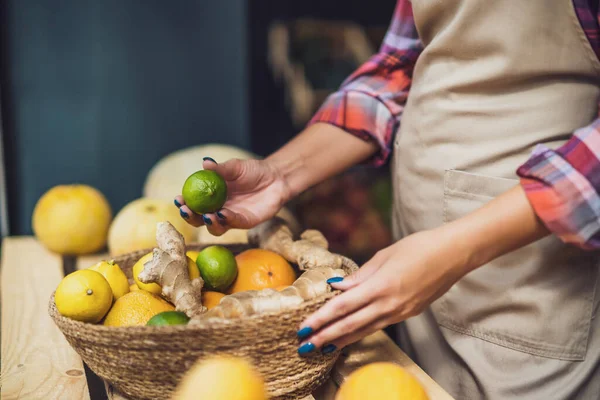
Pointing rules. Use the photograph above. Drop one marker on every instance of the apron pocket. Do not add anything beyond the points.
(538, 299)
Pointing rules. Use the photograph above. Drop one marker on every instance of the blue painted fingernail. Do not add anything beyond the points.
(304, 332)
(183, 214)
(306, 348)
(335, 279)
(207, 220)
(176, 203)
(330, 348)
(220, 215)
(209, 159)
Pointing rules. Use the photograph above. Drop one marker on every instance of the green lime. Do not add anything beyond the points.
(204, 191)
(217, 267)
(168, 318)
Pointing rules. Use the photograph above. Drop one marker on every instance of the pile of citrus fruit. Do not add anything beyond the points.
(103, 294)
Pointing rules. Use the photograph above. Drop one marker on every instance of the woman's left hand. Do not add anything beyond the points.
(397, 283)
(403, 279)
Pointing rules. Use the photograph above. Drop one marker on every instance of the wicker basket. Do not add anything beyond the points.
(148, 362)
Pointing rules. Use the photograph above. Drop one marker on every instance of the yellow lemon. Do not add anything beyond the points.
(134, 287)
(211, 379)
(114, 275)
(154, 287)
(72, 219)
(84, 296)
(136, 308)
(381, 381)
(192, 254)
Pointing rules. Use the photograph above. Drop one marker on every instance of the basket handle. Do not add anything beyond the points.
(308, 252)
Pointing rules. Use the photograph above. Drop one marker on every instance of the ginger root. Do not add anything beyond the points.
(169, 269)
(309, 252)
(311, 284)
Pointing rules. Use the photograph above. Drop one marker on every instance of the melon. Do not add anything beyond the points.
(134, 227)
(166, 178)
(241, 235)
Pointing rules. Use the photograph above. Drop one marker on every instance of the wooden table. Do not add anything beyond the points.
(38, 363)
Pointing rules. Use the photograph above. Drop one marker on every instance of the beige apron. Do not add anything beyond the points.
(496, 78)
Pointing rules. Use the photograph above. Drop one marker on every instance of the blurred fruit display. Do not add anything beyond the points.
(311, 58)
(352, 210)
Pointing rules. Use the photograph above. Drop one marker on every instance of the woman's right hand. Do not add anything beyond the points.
(256, 191)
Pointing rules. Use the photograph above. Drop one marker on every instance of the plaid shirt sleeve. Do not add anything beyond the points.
(562, 186)
(371, 100)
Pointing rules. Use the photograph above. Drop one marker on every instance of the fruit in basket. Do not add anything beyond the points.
(114, 275)
(193, 254)
(381, 381)
(261, 269)
(133, 287)
(211, 299)
(220, 378)
(217, 267)
(164, 179)
(309, 285)
(169, 263)
(204, 191)
(72, 219)
(134, 227)
(309, 253)
(168, 318)
(153, 287)
(84, 295)
(136, 308)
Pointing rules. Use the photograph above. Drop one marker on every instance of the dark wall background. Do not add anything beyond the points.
(97, 91)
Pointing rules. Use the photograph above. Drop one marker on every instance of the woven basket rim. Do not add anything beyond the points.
(208, 323)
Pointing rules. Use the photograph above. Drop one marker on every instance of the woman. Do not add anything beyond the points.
(495, 272)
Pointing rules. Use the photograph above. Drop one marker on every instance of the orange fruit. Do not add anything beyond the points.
(155, 288)
(136, 308)
(211, 299)
(381, 381)
(280, 288)
(261, 269)
(221, 378)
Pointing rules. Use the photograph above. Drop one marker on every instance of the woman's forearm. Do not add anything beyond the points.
(504, 224)
(319, 152)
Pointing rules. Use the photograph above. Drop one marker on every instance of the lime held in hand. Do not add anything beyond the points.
(204, 191)
(217, 267)
(168, 318)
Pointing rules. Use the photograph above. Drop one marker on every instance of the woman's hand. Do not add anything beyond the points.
(403, 279)
(397, 283)
(256, 191)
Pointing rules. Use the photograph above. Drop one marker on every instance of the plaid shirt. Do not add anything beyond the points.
(562, 184)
